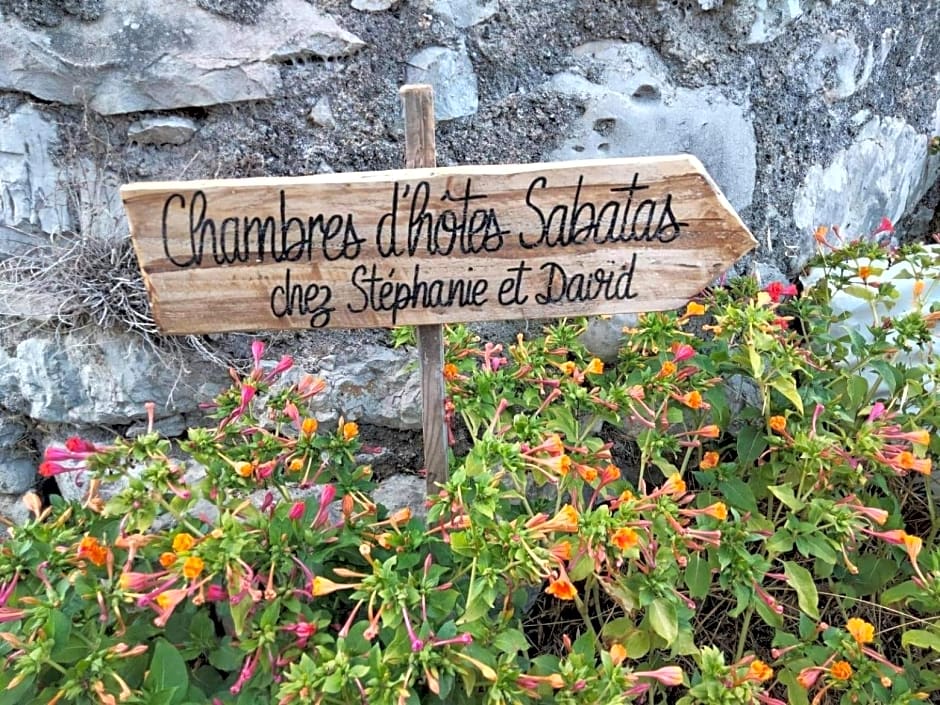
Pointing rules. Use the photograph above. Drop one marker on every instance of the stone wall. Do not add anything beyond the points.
(806, 113)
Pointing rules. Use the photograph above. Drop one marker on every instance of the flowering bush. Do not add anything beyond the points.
(778, 549)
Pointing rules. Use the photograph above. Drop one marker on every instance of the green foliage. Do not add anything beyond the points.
(780, 550)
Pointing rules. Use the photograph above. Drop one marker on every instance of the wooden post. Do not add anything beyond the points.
(420, 152)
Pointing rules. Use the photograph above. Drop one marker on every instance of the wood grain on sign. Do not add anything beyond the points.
(425, 246)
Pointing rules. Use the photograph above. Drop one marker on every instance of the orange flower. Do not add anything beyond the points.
(627, 496)
(563, 465)
(820, 234)
(718, 511)
(864, 271)
(913, 545)
(309, 426)
(192, 567)
(617, 653)
(183, 542)
(562, 589)
(167, 559)
(243, 469)
(609, 474)
(708, 431)
(587, 473)
(841, 670)
(561, 551)
(694, 309)
(568, 368)
(450, 371)
(625, 538)
(350, 430)
(918, 288)
(92, 549)
(692, 399)
(565, 520)
(595, 367)
(668, 369)
(908, 461)
(296, 464)
(675, 485)
(759, 671)
(861, 631)
(709, 461)
(778, 424)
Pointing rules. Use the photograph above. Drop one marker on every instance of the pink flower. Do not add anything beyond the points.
(682, 352)
(285, 363)
(885, 226)
(257, 350)
(327, 494)
(78, 445)
(296, 511)
(667, 675)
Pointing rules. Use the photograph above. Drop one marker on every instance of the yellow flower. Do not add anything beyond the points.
(243, 469)
(568, 368)
(296, 464)
(562, 589)
(778, 424)
(183, 542)
(709, 461)
(759, 671)
(192, 567)
(595, 367)
(324, 586)
(617, 653)
(918, 288)
(625, 538)
(350, 430)
(861, 631)
(309, 426)
(694, 309)
(841, 670)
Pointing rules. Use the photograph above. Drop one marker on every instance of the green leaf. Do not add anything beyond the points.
(664, 619)
(17, 695)
(618, 629)
(751, 444)
(757, 364)
(816, 546)
(860, 292)
(787, 387)
(768, 615)
(167, 671)
(785, 494)
(698, 577)
(226, 658)
(637, 644)
(738, 493)
(900, 592)
(801, 580)
(921, 638)
(511, 641)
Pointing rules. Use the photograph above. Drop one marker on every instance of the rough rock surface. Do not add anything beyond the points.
(155, 56)
(633, 109)
(31, 195)
(451, 75)
(98, 377)
(162, 130)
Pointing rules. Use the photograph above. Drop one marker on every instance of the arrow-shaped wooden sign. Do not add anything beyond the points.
(429, 246)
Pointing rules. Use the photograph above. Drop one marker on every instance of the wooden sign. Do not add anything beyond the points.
(429, 246)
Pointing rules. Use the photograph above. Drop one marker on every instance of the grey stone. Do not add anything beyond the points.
(451, 75)
(710, 4)
(373, 5)
(634, 109)
(767, 273)
(884, 173)
(11, 431)
(466, 13)
(162, 130)
(169, 427)
(377, 386)
(30, 193)
(142, 55)
(102, 377)
(14, 511)
(837, 68)
(604, 334)
(17, 472)
(400, 491)
(771, 17)
(321, 113)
